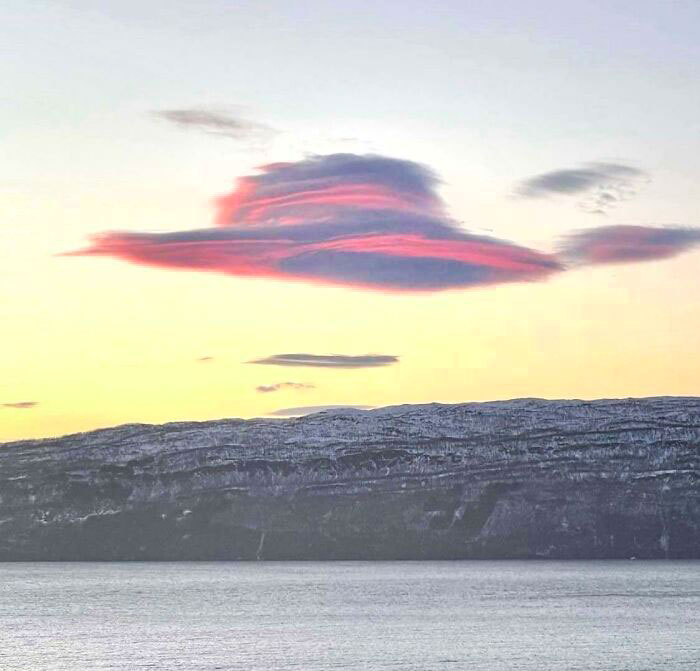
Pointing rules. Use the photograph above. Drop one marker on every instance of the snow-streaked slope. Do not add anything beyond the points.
(526, 477)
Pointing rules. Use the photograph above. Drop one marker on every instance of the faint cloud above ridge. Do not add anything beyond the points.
(216, 122)
(310, 409)
(270, 388)
(328, 360)
(600, 186)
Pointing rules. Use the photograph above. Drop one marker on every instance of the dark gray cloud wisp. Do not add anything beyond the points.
(20, 405)
(599, 186)
(328, 360)
(627, 244)
(216, 122)
(278, 386)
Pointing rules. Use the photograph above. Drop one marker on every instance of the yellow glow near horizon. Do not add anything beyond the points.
(122, 343)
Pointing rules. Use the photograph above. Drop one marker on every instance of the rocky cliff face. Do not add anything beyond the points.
(524, 478)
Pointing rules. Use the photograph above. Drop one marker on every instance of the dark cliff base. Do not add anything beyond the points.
(462, 482)
(541, 522)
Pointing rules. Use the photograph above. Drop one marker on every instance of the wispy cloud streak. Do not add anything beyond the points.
(216, 122)
(20, 405)
(278, 386)
(627, 244)
(310, 409)
(599, 186)
(328, 360)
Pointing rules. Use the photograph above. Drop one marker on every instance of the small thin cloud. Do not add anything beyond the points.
(205, 359)
(627, 244)
(328, 360)
(310, 409)
(20, 405)
(600, 186)
(216, 122)
(270, 388)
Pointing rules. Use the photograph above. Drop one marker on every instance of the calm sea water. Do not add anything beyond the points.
(623, 616)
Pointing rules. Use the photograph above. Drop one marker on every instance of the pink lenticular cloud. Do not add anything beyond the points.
(360, 221)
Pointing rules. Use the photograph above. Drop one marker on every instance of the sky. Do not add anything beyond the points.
(240, 209)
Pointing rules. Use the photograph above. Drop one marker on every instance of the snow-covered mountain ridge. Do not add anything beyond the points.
(521, 478)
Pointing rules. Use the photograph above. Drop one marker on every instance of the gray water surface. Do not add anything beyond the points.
(309, 616)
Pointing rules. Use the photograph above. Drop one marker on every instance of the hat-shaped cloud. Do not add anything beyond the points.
(362, 221)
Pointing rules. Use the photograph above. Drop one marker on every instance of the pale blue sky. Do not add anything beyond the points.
(482, 91)
(615, 77)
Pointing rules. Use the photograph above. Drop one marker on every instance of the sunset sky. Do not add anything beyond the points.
(230, 209)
